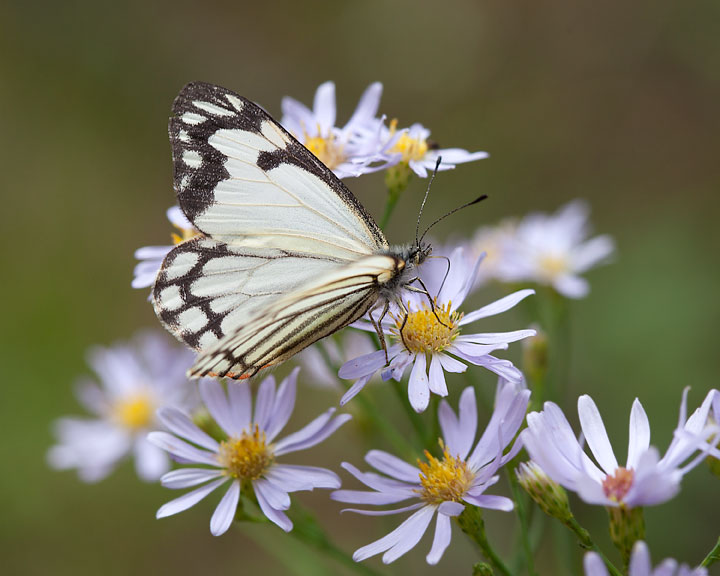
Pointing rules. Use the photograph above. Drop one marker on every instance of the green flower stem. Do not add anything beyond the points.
(397, 179)
(521, 511)
(713, 556)
(307, 530)
(471, 522)
(586, 542)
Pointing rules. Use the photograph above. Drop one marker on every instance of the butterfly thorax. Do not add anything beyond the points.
(409, 257)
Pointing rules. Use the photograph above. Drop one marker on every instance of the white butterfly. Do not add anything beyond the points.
(287, 254)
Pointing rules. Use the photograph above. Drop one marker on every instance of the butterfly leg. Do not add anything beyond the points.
(379, 331)
(401, 304)
(425, 291)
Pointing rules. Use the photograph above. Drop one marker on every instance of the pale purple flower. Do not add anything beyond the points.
(247, 455)
(554, 250)
(413, 146)
(437, 335)
(644, 480)
(349, 150)
(640, 565)
(703, 427)
(151, 257)
(440, 488)
(136, 379)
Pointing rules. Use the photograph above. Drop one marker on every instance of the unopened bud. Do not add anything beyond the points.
(548, 494)
(627, 526)
(482, 569)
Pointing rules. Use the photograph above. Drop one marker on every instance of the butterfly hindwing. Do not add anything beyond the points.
(291, 323)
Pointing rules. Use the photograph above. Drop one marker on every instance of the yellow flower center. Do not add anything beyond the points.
(553, 266)
(410, 148)
(246, 457)
(617, 485)
(428, 331)
(134, 412)
(326, 148)
(185, 234)
(445, 480)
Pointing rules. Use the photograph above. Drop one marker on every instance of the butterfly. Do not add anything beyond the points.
(286, 253)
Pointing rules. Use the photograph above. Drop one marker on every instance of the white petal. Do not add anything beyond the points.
(314, 433)
(225, 512)
(292, 477)
(572, 286)
(355, 389)
(264, 402)
(640, 562)
(150, 461)
(275, 497)
(594, 565)
(436, 380)
(392, 466)
(182, 449)
(284, 405)
(415, 528)
(187, 477)
(180, 424)
(275, 516)
(450, 364)
(217, 404)
(188, 500)
(324, 106)
(595, 434)
(418, 388)
(441, 540)
(498, 306)
(639, 439)
(240, 404)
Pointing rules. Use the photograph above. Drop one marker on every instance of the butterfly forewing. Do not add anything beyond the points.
(274, 220)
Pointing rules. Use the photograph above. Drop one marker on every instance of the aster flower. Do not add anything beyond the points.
(645, 480)
(413, 147)
(320, 361)
(553, 250)
(136, 379)
(640, 565)
(347, 151)
(440, 487)
(247, 457)
(151, 257)
(438, 336)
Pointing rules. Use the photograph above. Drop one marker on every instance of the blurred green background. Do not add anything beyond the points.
(614, 102)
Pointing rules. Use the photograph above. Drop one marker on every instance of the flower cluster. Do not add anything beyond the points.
(226, 436)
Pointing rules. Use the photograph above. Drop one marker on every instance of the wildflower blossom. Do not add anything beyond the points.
(248, 456)
(553, 250)
(347, 151)
(645, 479)
(151, 257)
(437, 334)
(440, 487)
(135, 380)
(413, 147)
(640, 565)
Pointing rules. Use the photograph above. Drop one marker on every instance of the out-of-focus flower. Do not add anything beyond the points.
(440, 486)
(248, 455)
(151, 257)
(321, 360)
(347, 151)
(413, 147)
(135, 380)
(645, 480)
(553, 250)
(435, 332)
(493, 242)
(640, 565)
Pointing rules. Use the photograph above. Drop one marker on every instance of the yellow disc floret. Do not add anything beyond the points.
(410, 148)
(552, 266)
(184, 234)
(246, 457)
(134, 412)
(426, 330)
(445, 480)
(327, 149)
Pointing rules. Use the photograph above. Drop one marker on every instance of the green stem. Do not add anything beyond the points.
(472, 523)
(587, 542)
(521, 511)
(713, 556)
(397, 179)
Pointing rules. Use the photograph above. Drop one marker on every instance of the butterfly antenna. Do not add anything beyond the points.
(472, 203)
(422, 206)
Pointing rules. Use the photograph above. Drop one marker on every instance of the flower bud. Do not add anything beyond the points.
(550, 496)
(627, 526)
